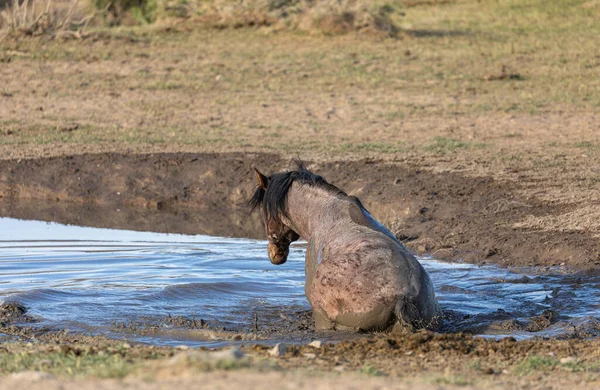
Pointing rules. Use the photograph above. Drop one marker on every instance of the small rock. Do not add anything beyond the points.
(568, 360)
(315, 344)
(310, 355)
(182, 347)
(505, 372)
(339, 368)
(126, 346)
(278, 350)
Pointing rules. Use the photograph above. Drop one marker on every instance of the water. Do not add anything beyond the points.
(168, 289)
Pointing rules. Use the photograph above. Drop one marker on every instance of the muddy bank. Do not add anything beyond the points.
(447, 215)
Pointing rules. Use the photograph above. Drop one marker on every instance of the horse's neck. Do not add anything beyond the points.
(316, 213)
(313, 210)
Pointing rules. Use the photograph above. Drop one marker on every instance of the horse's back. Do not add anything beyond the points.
(369, 281)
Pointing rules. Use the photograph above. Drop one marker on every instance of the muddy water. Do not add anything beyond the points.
(201, 290)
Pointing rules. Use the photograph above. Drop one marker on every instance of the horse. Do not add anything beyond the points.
(359, 276)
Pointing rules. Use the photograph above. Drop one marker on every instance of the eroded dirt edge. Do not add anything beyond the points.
(447, 215)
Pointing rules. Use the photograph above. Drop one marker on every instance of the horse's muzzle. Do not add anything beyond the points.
(277, 255)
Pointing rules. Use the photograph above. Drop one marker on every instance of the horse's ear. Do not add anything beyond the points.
(262, 179)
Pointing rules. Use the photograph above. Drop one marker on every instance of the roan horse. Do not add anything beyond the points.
(359, 277)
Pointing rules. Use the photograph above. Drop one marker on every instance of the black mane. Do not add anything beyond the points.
(274, 198)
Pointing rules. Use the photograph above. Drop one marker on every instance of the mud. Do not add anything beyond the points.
(450, 216)
(271, 325)
(11, 311)
(427, 353)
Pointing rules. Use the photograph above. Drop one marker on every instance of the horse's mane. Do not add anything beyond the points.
(274, 198)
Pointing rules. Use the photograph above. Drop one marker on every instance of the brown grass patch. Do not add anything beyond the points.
(321, 16)
(43, 17)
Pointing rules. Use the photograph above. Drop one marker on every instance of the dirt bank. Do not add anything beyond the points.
(447, 215)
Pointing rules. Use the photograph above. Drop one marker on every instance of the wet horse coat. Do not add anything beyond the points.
(358, 275)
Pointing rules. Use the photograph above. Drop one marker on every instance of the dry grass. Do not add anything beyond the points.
(53, 18)
(42, 17)
(328, 16)
(323, 16)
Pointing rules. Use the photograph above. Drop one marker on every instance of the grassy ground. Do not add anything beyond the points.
(460, 78)
(441, 362)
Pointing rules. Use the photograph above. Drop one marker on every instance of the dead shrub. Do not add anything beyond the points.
(117, 12)
(342, 16)
(323, 16)
(42, 17)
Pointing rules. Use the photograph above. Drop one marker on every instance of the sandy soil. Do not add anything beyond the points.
(218, 380)
(282, 380)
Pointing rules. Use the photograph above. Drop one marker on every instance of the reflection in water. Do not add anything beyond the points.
(101, 280)
(236, 222)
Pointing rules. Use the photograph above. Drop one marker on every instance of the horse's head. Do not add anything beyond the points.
(279, 234)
